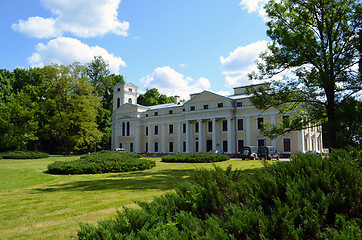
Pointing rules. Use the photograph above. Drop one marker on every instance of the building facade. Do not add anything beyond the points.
(207, 121)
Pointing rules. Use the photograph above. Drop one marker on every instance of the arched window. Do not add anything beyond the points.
(118, 102)
(123, 129)
(130, 100)
(128, 128)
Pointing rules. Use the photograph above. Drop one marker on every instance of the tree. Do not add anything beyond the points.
(71, 105)
(317, 41)
(152, 97)
(103, 82)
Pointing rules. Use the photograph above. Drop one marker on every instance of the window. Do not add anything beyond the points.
(146, 147)
(206, 106)
(170, 112)
(170, 147)
(156, 113)
(240, 124)
(156, 130)
(130, 89)
(155, 146)
(170, 129)
(239, 104)
(131, 147)
(118, 89)
(220, 105)
(130, 100)
(240, 145)
(261, 142)
(118, 102)
(192, 108)
(224, 146)
(183, 109)
(209, 126)
(184, 128)
(196, 127)
(260, 121)
(146, 115)
(123, 129)
(224, 125)
(146, 131)
(184, 146)
(120, 145)
(286, 145)
(128, 128)
(197, 146)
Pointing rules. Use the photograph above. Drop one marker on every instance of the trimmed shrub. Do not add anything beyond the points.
(200, 157)
(23, 155)
(308, 198)
(102, 162)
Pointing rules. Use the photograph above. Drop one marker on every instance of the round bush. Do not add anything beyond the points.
(102, 162)
(200, 157)
(24, 155)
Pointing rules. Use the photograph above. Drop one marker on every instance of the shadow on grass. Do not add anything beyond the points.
(160, 180)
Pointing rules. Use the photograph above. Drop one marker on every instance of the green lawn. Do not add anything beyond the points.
(36, 205)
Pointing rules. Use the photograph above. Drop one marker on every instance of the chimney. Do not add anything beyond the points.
(176, 99)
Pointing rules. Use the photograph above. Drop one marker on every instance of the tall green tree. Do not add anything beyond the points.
(317, 41)
(152, 97)
(103, 82)
(72, 107)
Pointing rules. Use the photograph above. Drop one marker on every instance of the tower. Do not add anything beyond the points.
(124, 93)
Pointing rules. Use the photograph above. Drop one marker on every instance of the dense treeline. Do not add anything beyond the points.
(57, 108)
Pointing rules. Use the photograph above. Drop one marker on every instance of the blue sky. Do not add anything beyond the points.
(179, 47)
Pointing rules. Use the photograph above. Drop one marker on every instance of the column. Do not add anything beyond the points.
(137, 137)
(149, 138)
(179, 146)
(272, 121)
(202, 144)
(247, 131)
(188, 148)
(163, 143)
(230, 135)
(214, 135)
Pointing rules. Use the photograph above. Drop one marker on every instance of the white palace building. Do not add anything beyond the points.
(207, 121)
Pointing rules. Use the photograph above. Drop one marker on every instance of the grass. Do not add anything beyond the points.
(36, 205)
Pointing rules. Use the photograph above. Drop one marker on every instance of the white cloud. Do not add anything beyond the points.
(255, 6)
(240, 62)
(183, 65)
(172, 83)
(82, 18)
(65, 51)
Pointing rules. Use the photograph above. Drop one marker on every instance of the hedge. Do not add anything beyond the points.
(200, 157)
(102, 162)
(308, 198)
(23, 155)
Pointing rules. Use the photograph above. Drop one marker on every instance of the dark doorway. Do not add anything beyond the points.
(208, 145)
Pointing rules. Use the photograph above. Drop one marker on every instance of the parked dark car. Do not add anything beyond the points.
(268, 153)
(250, 152)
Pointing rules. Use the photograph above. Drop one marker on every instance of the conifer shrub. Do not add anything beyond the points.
(199, 157)
(308, 198)
(102, 162)
(24, 155)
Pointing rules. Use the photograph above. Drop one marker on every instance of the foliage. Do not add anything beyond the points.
(200, 157)
(316, 45)
(102, 162)
(71, 106)
(103, 82)
(152, 97)
(23, 155)
(307, 198)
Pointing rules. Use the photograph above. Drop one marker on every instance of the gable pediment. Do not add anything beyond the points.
(206, 96)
